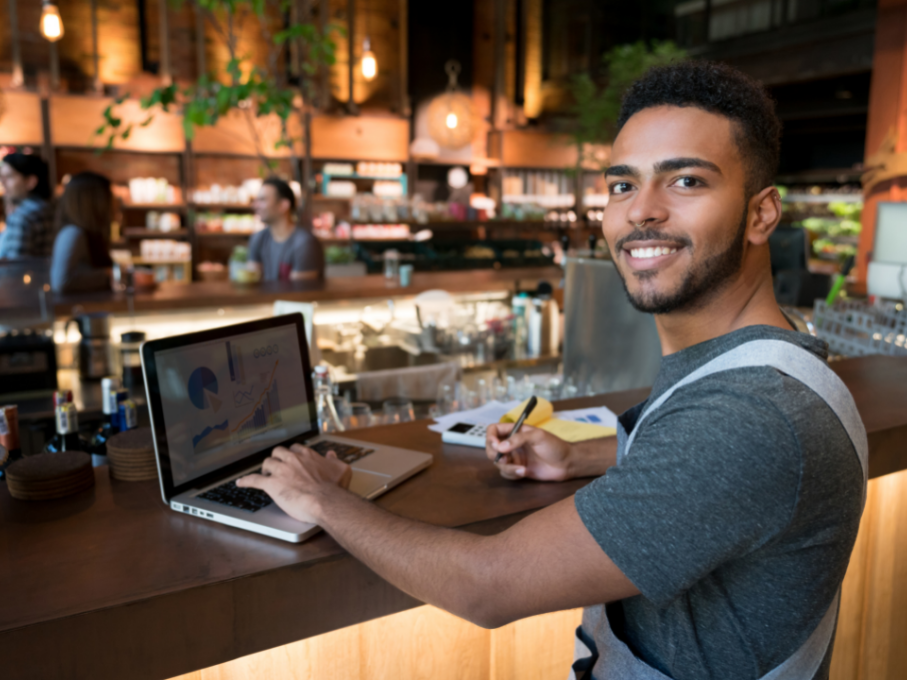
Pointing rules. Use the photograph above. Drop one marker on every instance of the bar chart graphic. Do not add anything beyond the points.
(265, 412)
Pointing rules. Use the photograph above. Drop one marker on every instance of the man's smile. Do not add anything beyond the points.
(648, 255)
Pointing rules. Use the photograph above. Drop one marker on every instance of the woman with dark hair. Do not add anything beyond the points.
(29, 217)
(81, 258)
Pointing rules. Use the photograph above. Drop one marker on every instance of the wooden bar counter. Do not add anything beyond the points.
(110, 583)
(223, 293)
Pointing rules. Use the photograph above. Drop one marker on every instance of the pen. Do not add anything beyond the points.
(519, 423)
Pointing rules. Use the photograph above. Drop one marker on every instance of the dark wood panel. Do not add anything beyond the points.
(233, 170)
(119, 166)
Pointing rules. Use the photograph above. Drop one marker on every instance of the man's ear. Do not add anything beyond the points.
(31, 181)
(765, 213)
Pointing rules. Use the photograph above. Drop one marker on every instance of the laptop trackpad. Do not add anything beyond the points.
(367, 484)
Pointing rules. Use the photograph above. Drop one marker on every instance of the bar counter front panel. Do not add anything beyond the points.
(113, 584)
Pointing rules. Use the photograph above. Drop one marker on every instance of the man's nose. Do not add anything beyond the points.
(647, 207)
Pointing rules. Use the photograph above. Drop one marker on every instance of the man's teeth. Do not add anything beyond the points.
(643, 253)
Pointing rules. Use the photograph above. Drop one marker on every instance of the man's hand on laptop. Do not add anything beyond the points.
(295, 477)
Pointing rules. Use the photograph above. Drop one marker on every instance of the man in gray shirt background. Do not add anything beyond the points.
(283, 251)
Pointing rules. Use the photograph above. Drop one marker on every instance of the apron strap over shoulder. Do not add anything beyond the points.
(815, 374)
(799, 364)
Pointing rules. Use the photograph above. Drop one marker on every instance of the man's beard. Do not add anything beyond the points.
(699, 284)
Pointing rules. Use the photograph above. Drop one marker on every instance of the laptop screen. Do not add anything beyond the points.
(225, 399)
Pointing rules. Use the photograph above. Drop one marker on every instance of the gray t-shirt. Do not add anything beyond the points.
(734, 514)
(301, 252)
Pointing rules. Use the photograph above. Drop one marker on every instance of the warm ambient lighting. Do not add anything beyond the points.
(369, 63)
(51, 22)
(451, 121)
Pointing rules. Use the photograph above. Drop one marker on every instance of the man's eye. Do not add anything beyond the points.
(620, 187)
(688, 182)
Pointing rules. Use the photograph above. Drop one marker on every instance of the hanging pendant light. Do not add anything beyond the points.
(51, 22)
(369, 62)
(450, 121)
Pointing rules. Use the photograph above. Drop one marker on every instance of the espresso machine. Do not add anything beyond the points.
(94, 346)
(28, 358)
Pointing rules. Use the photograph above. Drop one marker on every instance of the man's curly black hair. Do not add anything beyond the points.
(722, 90)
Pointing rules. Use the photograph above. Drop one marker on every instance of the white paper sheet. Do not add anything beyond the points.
(490, 413)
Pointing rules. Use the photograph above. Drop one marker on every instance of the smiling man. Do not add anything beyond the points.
(715, 538)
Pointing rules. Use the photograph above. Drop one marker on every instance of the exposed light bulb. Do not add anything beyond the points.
(451, 120)
(51, 22)
(369, 62)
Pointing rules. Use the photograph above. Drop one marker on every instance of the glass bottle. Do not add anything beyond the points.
(520, 325)
(127, 418)
(10, 449)
(108, 428)
(67, 437)
(328, 420)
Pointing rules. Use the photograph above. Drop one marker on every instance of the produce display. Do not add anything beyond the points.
(830, 214)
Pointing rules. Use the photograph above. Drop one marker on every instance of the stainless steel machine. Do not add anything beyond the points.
(28, 360)
(608, 345)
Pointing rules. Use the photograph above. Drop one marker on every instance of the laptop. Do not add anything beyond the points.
(221, 400)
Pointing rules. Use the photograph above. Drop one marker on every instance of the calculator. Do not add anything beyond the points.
(465, 435)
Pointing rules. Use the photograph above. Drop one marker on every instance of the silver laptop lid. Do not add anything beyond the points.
(221, 400)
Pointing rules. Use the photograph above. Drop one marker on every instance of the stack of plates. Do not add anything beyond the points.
(50, 475)
(131, 455)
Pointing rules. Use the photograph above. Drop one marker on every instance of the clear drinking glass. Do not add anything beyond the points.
(398, 410)
(360, 415)
(391, 265)
(482, 394)
(446, 399)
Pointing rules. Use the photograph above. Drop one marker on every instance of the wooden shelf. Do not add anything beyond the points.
(141, 232)
(823, 198)
(164, 207)
(224, 234)
(216, 207)
(151, 263)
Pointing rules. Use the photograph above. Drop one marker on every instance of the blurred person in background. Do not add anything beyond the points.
(283, 251)
(26, 198)
(81, 252)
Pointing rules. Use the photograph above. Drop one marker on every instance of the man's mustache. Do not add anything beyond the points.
(652, 235)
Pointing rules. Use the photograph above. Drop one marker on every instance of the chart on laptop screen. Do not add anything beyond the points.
(226, 399)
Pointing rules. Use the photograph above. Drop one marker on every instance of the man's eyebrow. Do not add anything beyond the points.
(621, 171)
(669, 165)
(674, 164)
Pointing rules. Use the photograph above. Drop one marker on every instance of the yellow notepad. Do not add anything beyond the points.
(568, 430)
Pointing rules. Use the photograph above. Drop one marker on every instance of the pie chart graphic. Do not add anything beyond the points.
(202, 385)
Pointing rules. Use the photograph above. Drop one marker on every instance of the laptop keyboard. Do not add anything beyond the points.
(241, 498)
(253, 500)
